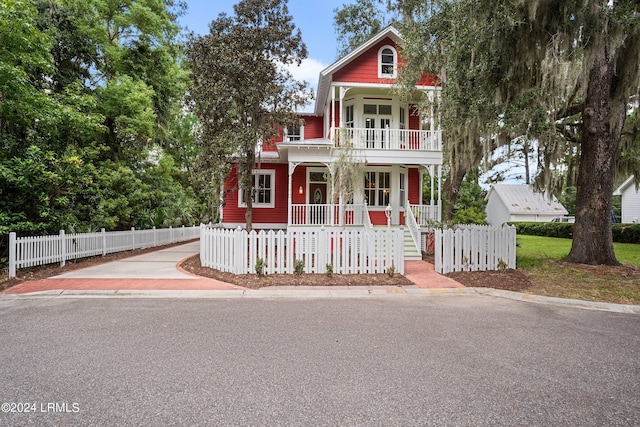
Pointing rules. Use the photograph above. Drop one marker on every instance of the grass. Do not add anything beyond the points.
(543, 259)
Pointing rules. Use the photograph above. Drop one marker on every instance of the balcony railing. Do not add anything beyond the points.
(388, 139)
(326, 214)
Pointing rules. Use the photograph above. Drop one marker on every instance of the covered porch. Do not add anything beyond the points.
(387, 195)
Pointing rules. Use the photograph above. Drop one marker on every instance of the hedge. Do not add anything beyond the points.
(622, 233)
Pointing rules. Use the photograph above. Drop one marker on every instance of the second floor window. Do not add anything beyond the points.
(388, 62)
(295, 133)
(348, 119)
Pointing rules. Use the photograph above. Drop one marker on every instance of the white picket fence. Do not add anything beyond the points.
(475, 248)
(40, 250)
(348, 251)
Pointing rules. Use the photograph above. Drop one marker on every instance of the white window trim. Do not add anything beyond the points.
(254, 173)
(286, 135)
(377, 171)
(395, 63)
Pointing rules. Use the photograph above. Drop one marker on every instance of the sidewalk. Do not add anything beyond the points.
(158, 270)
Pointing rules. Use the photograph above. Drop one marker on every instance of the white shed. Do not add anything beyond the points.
(507, 203)
(630, 201)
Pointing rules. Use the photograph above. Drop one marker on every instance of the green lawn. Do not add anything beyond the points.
(534, 250)
(542, 258)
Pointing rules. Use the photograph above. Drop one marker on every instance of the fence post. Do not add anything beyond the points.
(240, 244)
(104, 241)
(133, 238)
(12, 255)
(63, 249)
(154, 237)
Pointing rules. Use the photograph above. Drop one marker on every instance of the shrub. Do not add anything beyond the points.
(622, 233)
(626, 233)
(260, 267)
(298, 267)
(391, 270)
(329, 270)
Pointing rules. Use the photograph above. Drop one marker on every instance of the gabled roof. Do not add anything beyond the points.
(326, 75)
(624, 186)
(521, 199)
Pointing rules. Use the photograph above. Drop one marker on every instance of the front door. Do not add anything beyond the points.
(318, 196)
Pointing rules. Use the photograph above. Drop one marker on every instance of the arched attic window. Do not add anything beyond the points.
(387, 62)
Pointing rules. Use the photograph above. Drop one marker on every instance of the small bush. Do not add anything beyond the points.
(329, 270)
(260, 267)
(391, 270)
(298, 267)
(626, 233)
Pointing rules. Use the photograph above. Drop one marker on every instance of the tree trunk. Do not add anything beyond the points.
(451, 187)
(601, 130)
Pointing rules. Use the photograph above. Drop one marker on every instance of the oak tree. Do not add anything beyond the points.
(240, 89)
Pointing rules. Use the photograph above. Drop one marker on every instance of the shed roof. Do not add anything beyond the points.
(623, 187)
(521, 199)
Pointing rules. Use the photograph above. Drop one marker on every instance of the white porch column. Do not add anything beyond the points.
(433, 181)
(343, 92)
(439, 193)
(292, 167)
(333, 112)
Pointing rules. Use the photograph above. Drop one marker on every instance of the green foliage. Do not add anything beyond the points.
(568, 200)
(622, 233)
(89, 92)
(391, 270)
(128, 108)
(626, 233)
(355, 23)
(531, 69)
(329, 270)
(239, 88)
(260, 267)
(298, 267)
(470, 204)
(547, 229)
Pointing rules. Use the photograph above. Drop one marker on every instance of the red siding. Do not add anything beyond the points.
(278, 214)
(313, 127)
(414, 192)
(378, 217)
(298, 179)
(364, 68)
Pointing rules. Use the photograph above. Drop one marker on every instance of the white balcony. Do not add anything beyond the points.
(388, 139)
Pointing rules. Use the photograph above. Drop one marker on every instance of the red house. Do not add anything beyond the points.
(356, 107)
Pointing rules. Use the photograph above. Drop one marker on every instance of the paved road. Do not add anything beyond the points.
(378, 361)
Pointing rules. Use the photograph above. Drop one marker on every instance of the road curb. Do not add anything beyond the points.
(325, 292)
(589, 305)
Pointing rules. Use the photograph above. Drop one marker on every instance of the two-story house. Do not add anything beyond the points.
(356, 110)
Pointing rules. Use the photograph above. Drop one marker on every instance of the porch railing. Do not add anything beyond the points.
(388, 139)
(414, 228)
(425, 214)
(328, 214)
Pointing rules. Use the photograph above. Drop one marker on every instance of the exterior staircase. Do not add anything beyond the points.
(410, 251)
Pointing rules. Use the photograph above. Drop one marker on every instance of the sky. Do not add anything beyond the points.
(313, 18)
